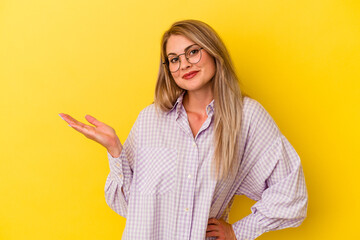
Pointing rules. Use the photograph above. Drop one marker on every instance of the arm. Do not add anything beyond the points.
(118, 181)
(277, 183)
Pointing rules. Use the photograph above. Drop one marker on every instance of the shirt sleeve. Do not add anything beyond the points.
(276, 181)
(117, 186)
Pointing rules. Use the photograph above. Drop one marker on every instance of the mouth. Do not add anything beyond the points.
(190, 74)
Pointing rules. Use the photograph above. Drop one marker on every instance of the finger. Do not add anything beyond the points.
(64, 117)
(213, 234)
(213, 221)
(212, 228)
(88, 131)
(72, 121)
(67, 118)
(93, 120)
(79, 126)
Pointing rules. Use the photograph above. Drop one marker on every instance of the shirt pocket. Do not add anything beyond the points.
(155, 170)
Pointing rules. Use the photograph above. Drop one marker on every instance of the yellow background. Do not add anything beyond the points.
(299, 59)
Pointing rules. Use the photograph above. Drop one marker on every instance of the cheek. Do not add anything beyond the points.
(208, 62)
(210, 66)
(175, 76)
(213, 68)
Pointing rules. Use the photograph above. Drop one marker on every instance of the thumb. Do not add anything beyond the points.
(93, 120)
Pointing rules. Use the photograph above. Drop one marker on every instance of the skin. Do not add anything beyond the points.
(197, 97)
(100, 132)
(220, 229)
(199, 93)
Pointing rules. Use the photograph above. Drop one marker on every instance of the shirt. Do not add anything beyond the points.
(161, 181)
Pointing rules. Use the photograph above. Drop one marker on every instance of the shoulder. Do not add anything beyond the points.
(151, 113)
(148, 110)
(258, 121)
(253, 108)
(255, 111)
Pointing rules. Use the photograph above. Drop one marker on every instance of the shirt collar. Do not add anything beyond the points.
(210, 108)
(178, 104)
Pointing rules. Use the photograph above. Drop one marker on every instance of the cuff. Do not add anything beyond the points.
(248, 228)
(115, 165)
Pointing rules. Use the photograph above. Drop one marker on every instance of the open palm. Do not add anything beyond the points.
(100, 132)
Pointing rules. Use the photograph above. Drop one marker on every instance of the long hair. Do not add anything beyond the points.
(228, 98)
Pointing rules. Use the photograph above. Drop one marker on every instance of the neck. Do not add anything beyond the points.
(197, 101)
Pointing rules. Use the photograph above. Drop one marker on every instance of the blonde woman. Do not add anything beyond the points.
(197, 146)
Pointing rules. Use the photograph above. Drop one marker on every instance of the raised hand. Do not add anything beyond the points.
(100, 132)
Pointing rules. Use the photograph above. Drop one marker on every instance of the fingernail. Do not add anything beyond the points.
(69, 125)
(61, 117)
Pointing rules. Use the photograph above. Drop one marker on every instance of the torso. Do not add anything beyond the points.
(195, 121)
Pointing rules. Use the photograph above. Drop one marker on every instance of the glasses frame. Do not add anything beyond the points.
(187, 59)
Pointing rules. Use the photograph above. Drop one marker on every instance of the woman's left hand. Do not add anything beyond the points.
(220, 229)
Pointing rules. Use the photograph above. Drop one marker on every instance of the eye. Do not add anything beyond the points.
(174, 60)
(194, 51)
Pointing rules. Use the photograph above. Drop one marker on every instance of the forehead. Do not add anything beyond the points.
(177, 43)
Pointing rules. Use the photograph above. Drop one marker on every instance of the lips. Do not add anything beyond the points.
(190, 74)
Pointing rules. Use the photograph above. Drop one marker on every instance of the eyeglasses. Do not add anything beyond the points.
(192, 55)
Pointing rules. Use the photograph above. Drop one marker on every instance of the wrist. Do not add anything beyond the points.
(115, 150)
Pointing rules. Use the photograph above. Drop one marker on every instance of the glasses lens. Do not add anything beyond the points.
(193, 54)
(174, 63)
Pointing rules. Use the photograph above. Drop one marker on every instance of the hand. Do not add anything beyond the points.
(220, 229)
(101, 133)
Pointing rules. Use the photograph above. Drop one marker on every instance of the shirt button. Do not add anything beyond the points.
(120, 175)
(189, 176)
(186, 209)
(194, 144)
(118, 164)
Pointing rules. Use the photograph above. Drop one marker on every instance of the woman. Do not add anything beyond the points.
(197, 146)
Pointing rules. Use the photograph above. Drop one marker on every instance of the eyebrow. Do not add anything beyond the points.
(184, 49)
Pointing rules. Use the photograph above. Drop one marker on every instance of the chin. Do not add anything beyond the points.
(192, 84)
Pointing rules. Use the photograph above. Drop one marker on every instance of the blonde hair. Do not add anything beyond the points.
(228, 97)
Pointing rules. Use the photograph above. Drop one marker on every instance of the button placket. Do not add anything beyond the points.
(188, 202)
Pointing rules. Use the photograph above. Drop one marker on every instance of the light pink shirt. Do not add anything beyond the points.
(165, 175)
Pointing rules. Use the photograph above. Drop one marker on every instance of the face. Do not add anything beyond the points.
(205, 68)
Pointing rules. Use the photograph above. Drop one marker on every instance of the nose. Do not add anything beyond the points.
(184, 62)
